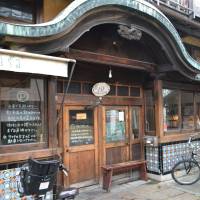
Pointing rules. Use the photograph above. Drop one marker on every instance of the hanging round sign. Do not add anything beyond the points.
(100, 89)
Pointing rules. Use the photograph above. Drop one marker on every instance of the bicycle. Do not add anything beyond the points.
(187, 171)
(39, 177)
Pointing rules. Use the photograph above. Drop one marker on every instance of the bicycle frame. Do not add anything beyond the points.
(187, 170)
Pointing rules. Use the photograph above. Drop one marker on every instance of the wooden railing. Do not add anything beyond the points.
(182, 6)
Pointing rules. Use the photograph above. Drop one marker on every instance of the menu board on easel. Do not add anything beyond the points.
(20, 122)
(81, 127)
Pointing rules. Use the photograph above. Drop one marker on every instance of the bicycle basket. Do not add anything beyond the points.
(38, 177)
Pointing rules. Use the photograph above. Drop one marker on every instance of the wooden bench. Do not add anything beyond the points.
(109, 169)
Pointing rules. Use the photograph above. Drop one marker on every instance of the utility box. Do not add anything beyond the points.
(151, 141)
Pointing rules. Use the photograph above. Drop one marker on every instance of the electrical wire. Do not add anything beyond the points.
(60, 112)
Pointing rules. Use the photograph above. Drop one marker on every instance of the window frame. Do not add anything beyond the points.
(14, 148)
(36, 13)
(181, 130)
(62, 85)
(149, 132)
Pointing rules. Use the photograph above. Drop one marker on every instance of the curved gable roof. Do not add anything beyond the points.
(78, 8)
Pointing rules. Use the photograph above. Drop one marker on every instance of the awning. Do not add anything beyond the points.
(16, 61)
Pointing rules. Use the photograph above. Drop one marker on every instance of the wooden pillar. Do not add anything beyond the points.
(101, 139)
(158, 108)
(52, 127)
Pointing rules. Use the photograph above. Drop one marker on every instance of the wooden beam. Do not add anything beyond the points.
(110, 60)
(21, 156)
(191, 41)
(86, 100)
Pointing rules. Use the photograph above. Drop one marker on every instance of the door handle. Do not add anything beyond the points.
(127, 141)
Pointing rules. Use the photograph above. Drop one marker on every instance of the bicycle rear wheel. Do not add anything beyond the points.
(186, 172)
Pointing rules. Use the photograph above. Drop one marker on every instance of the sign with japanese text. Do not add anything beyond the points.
(100, 89)
(33, 63)
(20, 122)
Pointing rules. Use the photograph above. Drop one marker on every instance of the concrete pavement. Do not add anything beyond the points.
(141, 190)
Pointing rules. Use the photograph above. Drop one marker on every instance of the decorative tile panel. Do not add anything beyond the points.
(9, 180)
(152, 158)
(160, 160)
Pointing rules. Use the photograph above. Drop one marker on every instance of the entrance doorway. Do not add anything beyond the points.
(80, 141)
(92, 139)
(122, 133)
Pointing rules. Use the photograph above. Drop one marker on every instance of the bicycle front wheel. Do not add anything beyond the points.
(186, 172)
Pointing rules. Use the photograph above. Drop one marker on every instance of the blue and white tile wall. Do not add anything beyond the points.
(161, 159)
(9, 180)
(152, 157)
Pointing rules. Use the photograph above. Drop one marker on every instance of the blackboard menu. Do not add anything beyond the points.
(20, 122)
(81, 127)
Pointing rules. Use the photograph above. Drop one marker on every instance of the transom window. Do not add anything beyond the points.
(85, 88)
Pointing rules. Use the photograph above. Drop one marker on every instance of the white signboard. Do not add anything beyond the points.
(121, 116)
(33, 63)
(100, 89)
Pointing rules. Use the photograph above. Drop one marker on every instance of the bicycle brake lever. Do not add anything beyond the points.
(64, 169)
(189, 141)
(65, 172)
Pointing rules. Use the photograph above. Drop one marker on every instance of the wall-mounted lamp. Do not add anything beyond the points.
(110, 73)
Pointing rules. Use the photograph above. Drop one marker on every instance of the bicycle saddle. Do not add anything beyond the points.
(69, 193)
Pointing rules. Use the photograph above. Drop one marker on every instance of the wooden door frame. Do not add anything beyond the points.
(104, 145)
(66, 145)
(138, 140)
(128, 130)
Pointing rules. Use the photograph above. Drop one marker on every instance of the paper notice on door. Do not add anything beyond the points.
(121, 116)
(44, 185)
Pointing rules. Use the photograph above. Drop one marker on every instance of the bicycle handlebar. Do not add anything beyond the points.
(191, 138)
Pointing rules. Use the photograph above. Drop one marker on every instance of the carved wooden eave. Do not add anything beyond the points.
(81, 15)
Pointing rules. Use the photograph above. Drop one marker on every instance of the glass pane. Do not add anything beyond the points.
(74, 88)
(135, 115)
(81, 127)
(149, 111)
(115, 125)
(17, 9)
(60, 87)
(22, 111)
(134, 92)
(122, 91)
(170, 109)
(112, 90)
(187, 110)
(87, 88)
(198, 111)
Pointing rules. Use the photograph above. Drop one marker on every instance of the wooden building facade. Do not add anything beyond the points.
(132, 48)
